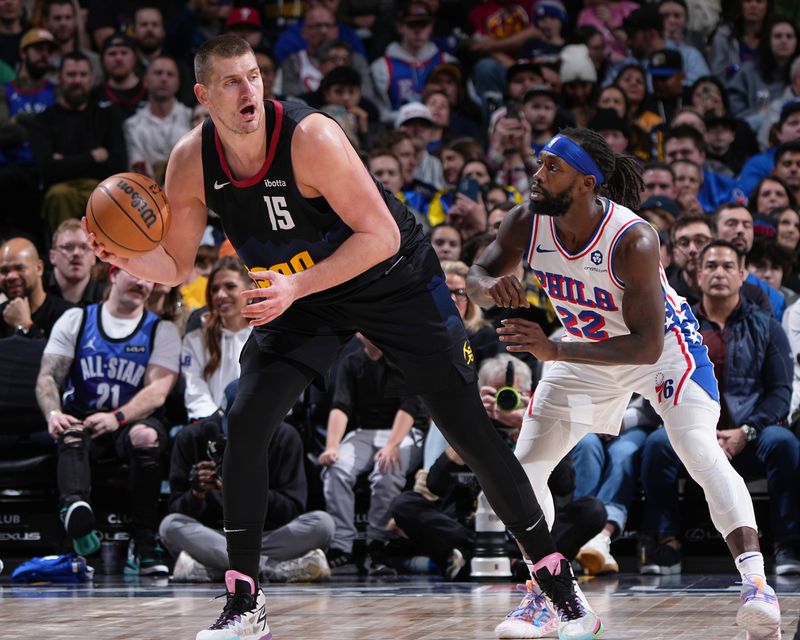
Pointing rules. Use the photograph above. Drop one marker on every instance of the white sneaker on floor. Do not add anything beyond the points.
(759, 612)
(533, 618)
(595, 556)
(244, 616)
(187, 569)
(312, 567)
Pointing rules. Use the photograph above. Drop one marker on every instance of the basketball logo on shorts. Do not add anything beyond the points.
(468, 356)
(664, 387)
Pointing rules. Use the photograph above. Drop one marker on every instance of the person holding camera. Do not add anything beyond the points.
(293, 541)
(438, 515)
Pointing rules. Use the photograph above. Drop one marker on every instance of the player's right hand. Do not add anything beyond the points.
(99, 250)
(507, 291)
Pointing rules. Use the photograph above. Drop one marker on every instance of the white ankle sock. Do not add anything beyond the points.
(752, 563)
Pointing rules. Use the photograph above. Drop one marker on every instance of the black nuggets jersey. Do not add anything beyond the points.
(270, 223)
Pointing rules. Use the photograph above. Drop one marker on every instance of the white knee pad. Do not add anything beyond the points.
(726, 494)
(541, 445)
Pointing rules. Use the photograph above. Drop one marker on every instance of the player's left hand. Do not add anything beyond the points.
(529, 338)
(276, 298)
(100, 423)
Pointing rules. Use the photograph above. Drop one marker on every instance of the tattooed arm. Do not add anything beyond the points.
(52, 374)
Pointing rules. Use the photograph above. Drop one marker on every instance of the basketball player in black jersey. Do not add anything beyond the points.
(333, 254)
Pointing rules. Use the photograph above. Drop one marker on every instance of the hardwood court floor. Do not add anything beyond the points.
(679, 608)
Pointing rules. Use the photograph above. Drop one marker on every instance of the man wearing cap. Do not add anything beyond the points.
(539, 106)
(400, 74)
(76, 142)
(549, 16)
(761, 165)
(31, 92)
(613, 128)
(465, 115)
(416, 119)
(245, 23)
(665, 68)
(60, 18)
(720, 136)
(122, 87)
(645, 29)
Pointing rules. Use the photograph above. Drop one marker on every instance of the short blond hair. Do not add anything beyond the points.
(70, 224)
(473, 318)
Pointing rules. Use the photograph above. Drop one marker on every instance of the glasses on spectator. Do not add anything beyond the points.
(72, 247)
(458, 293)
(316, 26)
(698, 241)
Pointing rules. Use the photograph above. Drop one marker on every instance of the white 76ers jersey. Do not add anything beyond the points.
(587, 294)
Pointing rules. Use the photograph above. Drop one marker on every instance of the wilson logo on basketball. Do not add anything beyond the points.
(138, 203)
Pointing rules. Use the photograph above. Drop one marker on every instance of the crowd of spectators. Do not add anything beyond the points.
(449, 103)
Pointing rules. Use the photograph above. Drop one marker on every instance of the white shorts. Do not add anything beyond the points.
(596, 396)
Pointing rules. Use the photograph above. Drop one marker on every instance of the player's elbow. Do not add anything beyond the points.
(390, 241)
(652, 350)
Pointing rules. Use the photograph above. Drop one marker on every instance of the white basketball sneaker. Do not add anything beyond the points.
(577, 620)
(533, 618)
(244, 616)
(759, 611)
(595, 556)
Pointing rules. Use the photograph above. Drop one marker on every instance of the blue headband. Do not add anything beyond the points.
(574, 155)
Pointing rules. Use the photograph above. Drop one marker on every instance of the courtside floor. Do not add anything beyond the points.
(687, 607)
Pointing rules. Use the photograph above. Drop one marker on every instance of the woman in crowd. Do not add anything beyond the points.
(447, 241)
(210, 354)
(771, 193)
(633, 82)
(736, 41)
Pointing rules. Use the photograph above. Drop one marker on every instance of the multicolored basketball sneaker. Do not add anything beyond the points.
(244, 616)
(759, 612)
(533, 618)
(577, 620)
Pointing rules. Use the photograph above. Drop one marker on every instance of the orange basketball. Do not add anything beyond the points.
(128, 214)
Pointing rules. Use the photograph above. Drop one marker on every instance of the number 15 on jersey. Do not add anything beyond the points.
(279, 216)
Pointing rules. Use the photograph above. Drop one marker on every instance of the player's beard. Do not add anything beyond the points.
(551, 204)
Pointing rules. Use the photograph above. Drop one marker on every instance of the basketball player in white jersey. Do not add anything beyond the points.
(627, 332)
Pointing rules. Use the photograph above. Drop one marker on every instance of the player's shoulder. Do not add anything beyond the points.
(189, 145)
(185, 165)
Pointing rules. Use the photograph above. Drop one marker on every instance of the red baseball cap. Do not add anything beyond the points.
(241, 16)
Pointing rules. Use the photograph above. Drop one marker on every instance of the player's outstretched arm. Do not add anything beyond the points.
(326, 164)
(490, 280)
(636, 262)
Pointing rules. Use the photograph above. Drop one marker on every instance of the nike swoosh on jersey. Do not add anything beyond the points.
(540, 250)
(218, 186)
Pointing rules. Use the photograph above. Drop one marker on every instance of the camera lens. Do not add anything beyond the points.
(508, 399)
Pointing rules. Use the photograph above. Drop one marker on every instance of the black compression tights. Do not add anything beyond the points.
(459, 414)
(267, 390)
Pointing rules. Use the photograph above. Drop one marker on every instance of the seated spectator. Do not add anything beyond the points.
(465, 116)
(72, 260)
(773, 113)
(686, 143)
(787, 222)
(482, 337)
(787, 165)
(606, 468)
(659, 180)
(416, 119)
(734, 223)
(399, 141)
(770, 193)
(438, 515)
(721, 134)
(28, 310)
(688, 183)
(665, 67)
(210, 354)
(737, 40)
(613, 128)
(763, 79)
(342, 99)
(447, 241)
(154, 129)
(439, 106)
(633, 82)
(579, 83)
(14, 25)
(337, 53)
(386, 168)
(772, 263)
(400, 74)
(31, 92)
(167, 303)
(268, 65)
(549, 17)
(661, 212)
(294, 38)
(763, 164)
(76, 143)
(606, 16)
(454, 155)
(118, 362)
(539, 108)
(245, 22)
(750, 354)
(122, 87)
(194, 290)
(383, 441)
(293, 542)
(688, 236)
